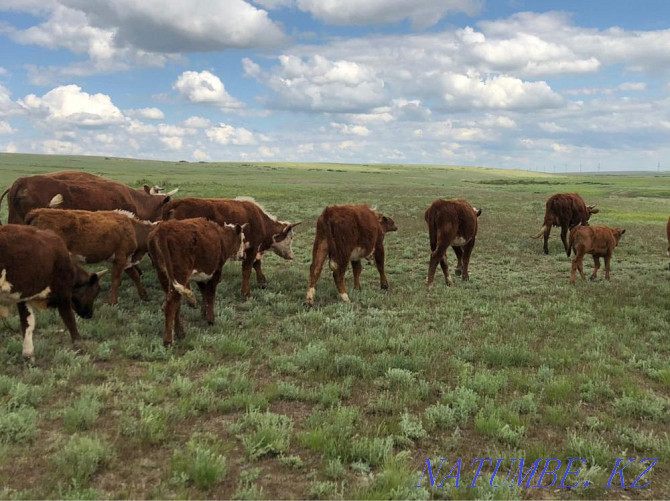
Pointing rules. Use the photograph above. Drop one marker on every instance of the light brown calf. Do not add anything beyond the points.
(348, 233)
(99, 236)
(599, 241)
(191, 249)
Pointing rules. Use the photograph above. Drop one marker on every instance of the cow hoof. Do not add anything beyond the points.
(430, 287)
(29, 358)
(592, 278)
(384, 287)
(78, 347)
(546, 251)
(264, 285)
(458, 272)
(308, 304)
(345, 297)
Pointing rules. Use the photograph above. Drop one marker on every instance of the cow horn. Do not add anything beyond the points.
(541, 232)
(56, 201)
(170, 193)
(101, 272)
(293, 225)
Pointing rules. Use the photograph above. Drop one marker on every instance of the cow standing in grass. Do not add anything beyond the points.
(92, 237)
(667, 230)
(344, 234)
(263, 231)
(565, 210)
(451, 223)
(599, 241)
(191, 249)
(36, 270)
(80, 190)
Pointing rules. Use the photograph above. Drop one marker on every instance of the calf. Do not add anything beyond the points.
(99, 236)
(36, 270)
(263, 231)
(599, 241)
(348, 233)
(191, 249)
(565, 210)
(451, 223)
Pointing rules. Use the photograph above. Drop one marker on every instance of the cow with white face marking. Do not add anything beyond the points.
(451, 223)
(192, 249)
(263, 231)
(346, 234)
(36, 270)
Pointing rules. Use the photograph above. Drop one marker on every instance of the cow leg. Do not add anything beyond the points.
(596, 267)
(459, 256)
(134, 273)
(445, 271)
(338, 276)
(208, 290)
(357, 268)
(436, 257)
(117, 270)
(178, 322)
(573, 270)
(467, 252)
(379, 261)
(27, 318)
(547, 232)
(319, 253)
(66, 313)
(607, 267)
(247, 264)
(564, 239)
(260, 277)
(172, 301)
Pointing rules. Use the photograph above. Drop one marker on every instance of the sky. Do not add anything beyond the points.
(528, 84)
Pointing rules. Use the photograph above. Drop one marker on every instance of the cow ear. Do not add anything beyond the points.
(165, 200)
(595, 211)
(385, 219)
(623, 231)
(238, 229)
(147, 189)
(479, 212)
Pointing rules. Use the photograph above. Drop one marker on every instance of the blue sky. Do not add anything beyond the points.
(529, 84)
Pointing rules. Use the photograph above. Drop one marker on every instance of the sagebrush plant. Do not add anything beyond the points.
(513, 363)
(200, 463)
(80, 458)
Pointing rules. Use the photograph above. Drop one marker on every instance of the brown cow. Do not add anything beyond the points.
(194, 249)
(263, 233)
(667, 230)
(565, 210)
(451, 223)
(36, 270)
(80, 190)
(348, 233)
(599, 241)
(92, 237)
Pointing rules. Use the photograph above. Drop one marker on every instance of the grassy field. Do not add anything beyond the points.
(348, 400)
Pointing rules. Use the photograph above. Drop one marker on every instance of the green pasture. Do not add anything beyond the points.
(348, 400)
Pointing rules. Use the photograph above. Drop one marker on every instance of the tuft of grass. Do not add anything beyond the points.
(83, 413)
(266, 433)
(18, 426)
(200, 463)
(80, 458)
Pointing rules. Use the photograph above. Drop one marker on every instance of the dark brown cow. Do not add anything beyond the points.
(92, 237)
(667, 230)
(565, 210)
(80, 190)
(191, 249)
(36, 270)
(348, 233)
(599, 241)
(263, 233)
(451, 223)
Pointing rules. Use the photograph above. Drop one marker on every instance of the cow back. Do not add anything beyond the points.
(455, 216)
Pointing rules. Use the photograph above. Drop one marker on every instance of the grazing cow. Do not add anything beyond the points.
(36, 270)
(451, 223)
(599, 241)
(667, 230)
(264, 232)
(92, 237)
(348, 233)
(565, 210)
(80, 190)
(194, 249)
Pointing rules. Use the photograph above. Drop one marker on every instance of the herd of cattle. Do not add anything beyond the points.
(58, 221)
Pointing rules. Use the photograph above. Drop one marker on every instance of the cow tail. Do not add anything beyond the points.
(571, 240)
(185, 293)
(166, 265)
(432, 232)
(2, 198)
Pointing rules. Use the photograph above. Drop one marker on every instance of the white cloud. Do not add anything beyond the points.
(69, 105)
(5, 127)
(174, 143)
(56, 147)
(227, 134)
(197, 122)
(201, 155)
(206, 88)
(146, 113)
(422, 13)
(7, 106)
(355, 130)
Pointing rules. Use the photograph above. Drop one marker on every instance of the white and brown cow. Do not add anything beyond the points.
(599, 241)
(346, 234)
(92, 237)
(263, 231)
(36, 270)
(451, 223)
(191, 249)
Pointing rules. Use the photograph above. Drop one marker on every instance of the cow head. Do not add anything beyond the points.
(85, 290)
(387, 223)
(617, 233)
(150, 207)
(282, 242)
(239, 242)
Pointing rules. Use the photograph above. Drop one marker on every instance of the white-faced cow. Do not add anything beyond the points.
(599, 241)
(191, 249)
(92, 237)
(36, 270)
(346, 234)
(80, 190)
(263, 231)
(565, 210)
(451, 223)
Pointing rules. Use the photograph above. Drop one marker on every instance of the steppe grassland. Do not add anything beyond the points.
(347, 400)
